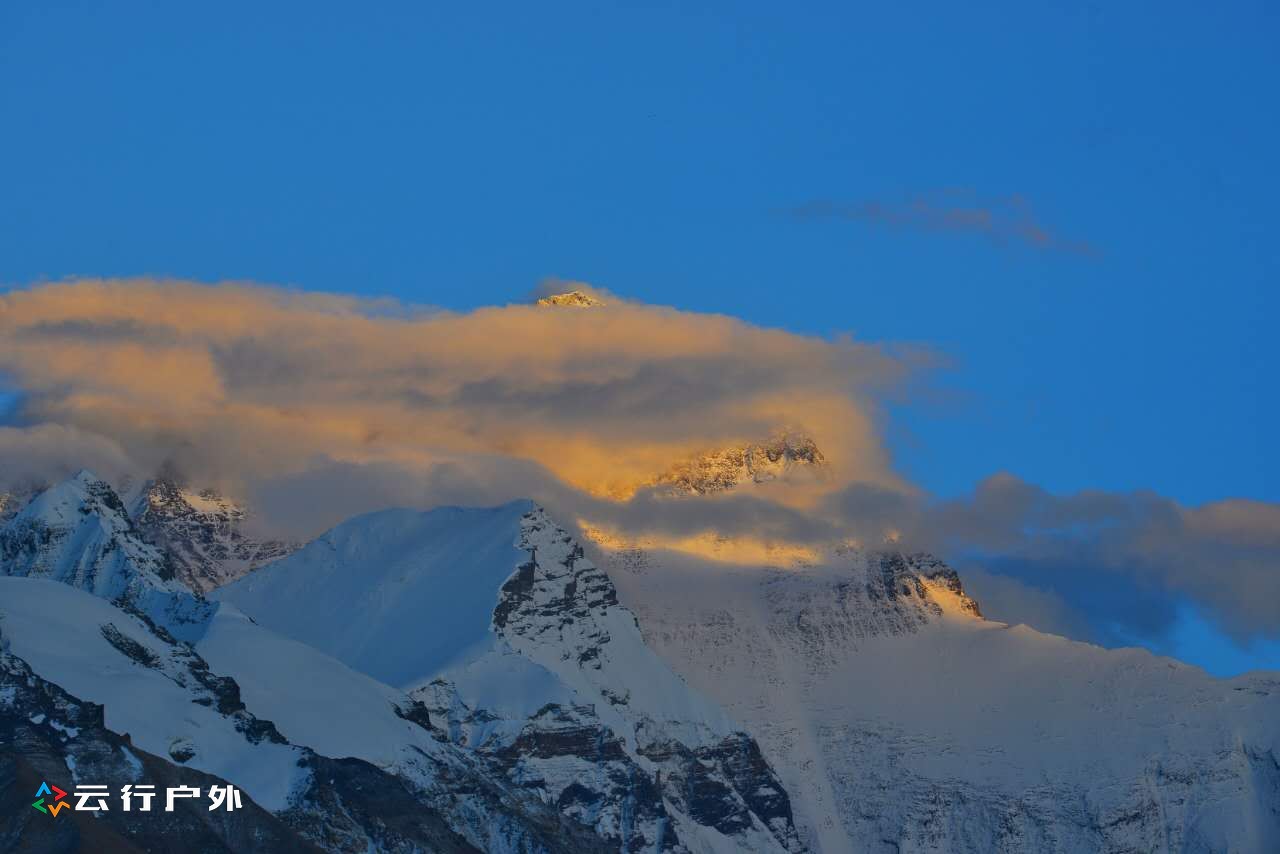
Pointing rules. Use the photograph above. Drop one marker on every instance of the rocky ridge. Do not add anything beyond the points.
(555, 687)
(724, 469)
(79, 533)
(666, 776)
(202, 533)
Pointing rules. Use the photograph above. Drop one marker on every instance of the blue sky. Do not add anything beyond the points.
(457, 154)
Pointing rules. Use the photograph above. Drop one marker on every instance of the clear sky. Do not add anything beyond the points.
(1073, 204)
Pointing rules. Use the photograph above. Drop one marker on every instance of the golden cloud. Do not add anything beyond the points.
(245, 381)
(322, 406)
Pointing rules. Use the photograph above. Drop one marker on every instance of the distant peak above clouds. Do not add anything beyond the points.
(241, 385)
(570, 299)
(722, 469)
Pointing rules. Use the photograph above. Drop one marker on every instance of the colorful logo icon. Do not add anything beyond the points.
(57, 794)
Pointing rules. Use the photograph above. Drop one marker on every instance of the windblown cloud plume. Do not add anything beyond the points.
(244, 382)
(317, 407)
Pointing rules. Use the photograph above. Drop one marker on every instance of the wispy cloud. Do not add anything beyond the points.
(1004, 220)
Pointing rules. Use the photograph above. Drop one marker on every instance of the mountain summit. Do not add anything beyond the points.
(725, 468)
(551, 680)
(203, 533)
(570, 299)
(79, 532)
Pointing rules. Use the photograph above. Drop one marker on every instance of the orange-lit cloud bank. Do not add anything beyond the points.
(241, 382)
(317, 407)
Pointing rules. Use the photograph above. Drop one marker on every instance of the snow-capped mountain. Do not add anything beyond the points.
(78, 532)
(508, 715)
(723, 469)
(476, 679)
(900, 720)
(378, 777)
(497, 623)
(46, 734)
(203, 534)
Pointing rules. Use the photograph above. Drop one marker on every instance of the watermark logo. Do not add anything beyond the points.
(133, 797)
(46, 792)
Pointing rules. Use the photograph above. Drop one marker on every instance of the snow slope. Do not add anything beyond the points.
(352, 764)
(156, 691)
(494, 620)
(79, 533)
(46, 734)
(568, 763)
(461, 679)
(397, 594)
(899, 720)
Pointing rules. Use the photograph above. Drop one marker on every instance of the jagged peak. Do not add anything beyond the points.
(75, 487)
(209, 538)
(720, 469)
(570, 299)
(167, 496)
(78, 491)
(938, 578)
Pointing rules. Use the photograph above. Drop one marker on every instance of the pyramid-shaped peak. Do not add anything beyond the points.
(76, 491)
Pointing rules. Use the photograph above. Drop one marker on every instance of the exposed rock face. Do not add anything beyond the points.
(165, 694)
(340, 805)
(202, 534)
(727, 468)
(10, 504)
(555, 690)
(562, 611)
(565, 756)
(570, 299)
(356, 807)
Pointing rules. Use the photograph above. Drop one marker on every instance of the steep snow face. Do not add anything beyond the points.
(317, 701)
(516, 646)
(79, 533)
(202, 533)
(899, 720)
(348, 763)
(48, 734)
(158, 691)
(314, 699)
(552, 774)
(398, 594)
